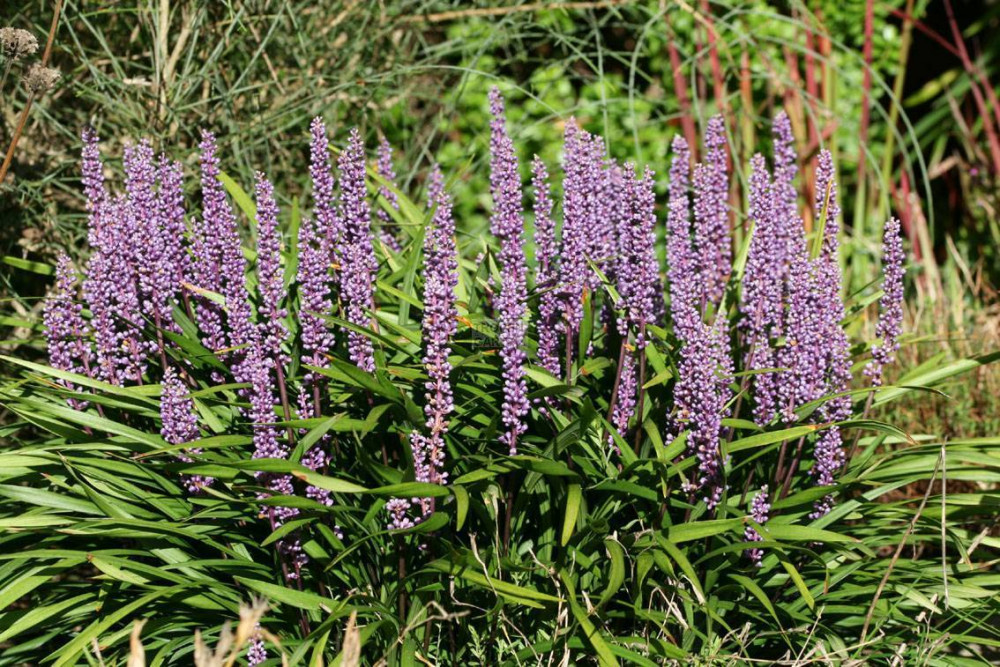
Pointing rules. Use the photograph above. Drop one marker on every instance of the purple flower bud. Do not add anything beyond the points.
(387, 232)
(638, 270)
(701, 395)
(219, 266)
(763, 290)
(356, 253)
(180, 423)
(270, 278)
(760, 510)
(547, 276)
(584, 216)
(111, 290)
(507, 224)
(65, 329)
(712, 243)
(438, 326)
(890, 320)
(682, 271)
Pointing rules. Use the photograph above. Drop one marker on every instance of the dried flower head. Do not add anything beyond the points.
(16, 43)
(40, 79)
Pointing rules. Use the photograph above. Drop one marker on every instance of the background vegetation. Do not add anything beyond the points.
(901, 91)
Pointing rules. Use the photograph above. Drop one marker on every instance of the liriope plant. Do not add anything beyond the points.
(585, 457)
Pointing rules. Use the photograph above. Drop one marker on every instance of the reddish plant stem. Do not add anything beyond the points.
(283, 392)
(793, 468)
(640, 405)
(977, 93)
(22, 121)
(683, 100)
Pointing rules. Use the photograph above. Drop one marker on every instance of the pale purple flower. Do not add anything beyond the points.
(701, 395)
(65, 329)
(890, 319)
(626, 398)
(507, 225)
(682, 273)
(438, 327)
(762, 301)
(172, 262)
(112, 292)
(760, 510)
(712, 244)
(547, 273)
(583, 189)
(638, 271)
(180, 424)
(314, 295)
(356, 253)
(256, 653)
(270, 278)
(219, 266)
(327, 221)
(387, 231)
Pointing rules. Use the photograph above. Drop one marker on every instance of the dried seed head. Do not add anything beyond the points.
(17, 43)
(40, 79)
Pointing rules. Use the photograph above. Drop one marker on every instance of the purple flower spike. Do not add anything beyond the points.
(547, 275)
(65, 329)
(270, 278)
(329, 226)
(111, 284)
(626, 399)
(438, 326)
(180, 423)
(890, 321)
(385, 170)
(711, 214)
(356, 253)
(700, 398)
(314, 295)
(682, 273)
(762, 304)
(172, 264)
(638, 271)
(586, 216)
(507, 224)
(219, 266)
(760, 510)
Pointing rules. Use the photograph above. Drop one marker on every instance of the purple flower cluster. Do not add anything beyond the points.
(111, 287)
(638, 270)
(547, 273)
(270, 279)
(385, 169)
(682, 272)
(705, 368)
(507, 224)
(701, 395)
(219, 266)
(355, 251)
(713, 245)
(890, 321)
(760, 510)
(180, 423)
(438, 326)
(66, 330)
(637, 274)
(584, 218)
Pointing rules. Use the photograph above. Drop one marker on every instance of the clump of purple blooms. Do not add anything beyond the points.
(155, 266)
